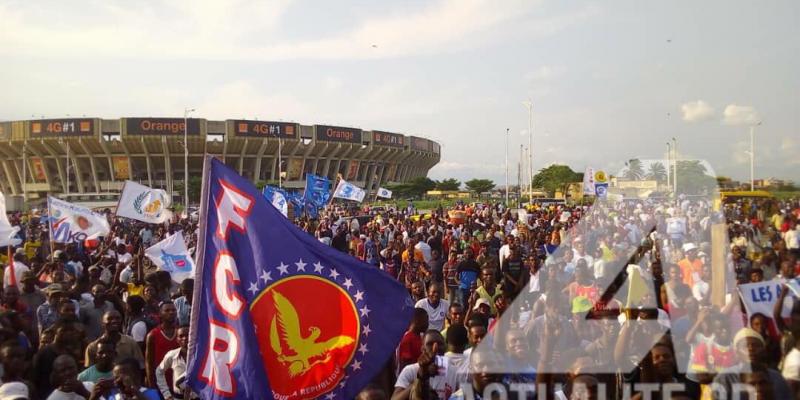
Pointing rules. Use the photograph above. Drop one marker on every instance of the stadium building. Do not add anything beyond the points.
(88, 159)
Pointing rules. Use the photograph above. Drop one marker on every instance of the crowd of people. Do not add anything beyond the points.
(571, 301)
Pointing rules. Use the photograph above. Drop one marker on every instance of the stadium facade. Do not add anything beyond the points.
(90, 158)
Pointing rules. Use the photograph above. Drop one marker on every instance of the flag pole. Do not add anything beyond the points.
(50, 227)
(200, 251)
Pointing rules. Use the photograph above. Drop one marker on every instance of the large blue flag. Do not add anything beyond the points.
(257, 331)
(318, 190)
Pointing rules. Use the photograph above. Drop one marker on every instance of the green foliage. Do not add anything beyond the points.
(414, 188)
(657, 172)
(635, 171)
(448, 184)
(479, 185)
(693, 178)
(554, 178)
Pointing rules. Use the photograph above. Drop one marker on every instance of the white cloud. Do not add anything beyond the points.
(695, 111)
(240, 30)
(740, 115)
(543, 73)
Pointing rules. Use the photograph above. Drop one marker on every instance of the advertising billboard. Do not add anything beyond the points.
(388, 139)
(420, 144)
(161, 126)
(337, 134)
(285, 130)
(5, 130)
(61, 127)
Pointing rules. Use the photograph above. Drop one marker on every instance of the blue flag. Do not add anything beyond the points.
(256, 332)
(277, 197)
(318, 190)
(298, 202)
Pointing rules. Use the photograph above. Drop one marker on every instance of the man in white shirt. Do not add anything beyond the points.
(425, 248)
(701, 288)
(19, 268)
(505, 251)
(434, 371)
(435, 307)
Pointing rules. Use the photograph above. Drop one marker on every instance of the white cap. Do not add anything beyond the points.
(689, 247)
(14, 391)
(479, 302)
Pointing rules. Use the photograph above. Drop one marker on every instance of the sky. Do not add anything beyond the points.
(609, 81)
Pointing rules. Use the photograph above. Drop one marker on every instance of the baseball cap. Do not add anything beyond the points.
(14, 391)
(54, 288)
(27, 276)
(479, 302)
(689, 247)
(747, 333)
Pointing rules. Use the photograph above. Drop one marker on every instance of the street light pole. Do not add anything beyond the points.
(507, 134)
(752, 156)
(280, 167)
(24, 176)
(529, 105)
(186, 159)
(675, 157)
(68, 165)
(669, 166)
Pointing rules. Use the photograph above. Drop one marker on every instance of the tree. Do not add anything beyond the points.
(657, 172)
(634, 172)
(413, 188)
(693, 178)
(195, 186)
(448, 184)
(479, 185)
(554, 177)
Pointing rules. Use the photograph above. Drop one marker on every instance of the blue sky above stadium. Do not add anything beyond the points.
(609, 81)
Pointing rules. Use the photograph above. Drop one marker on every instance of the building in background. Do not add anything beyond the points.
(84, 159)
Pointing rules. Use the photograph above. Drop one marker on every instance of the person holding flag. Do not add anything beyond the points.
(255, 332)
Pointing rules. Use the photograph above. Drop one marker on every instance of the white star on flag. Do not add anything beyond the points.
(359, 295)
(364, 311)
(301, 266)
(253, 287)
(317, 267)
(366, 330)
(334, 274)
(363, 349)
(330, 396)
(348, 283)
(266, 276)
(283, 268)
(356, 365)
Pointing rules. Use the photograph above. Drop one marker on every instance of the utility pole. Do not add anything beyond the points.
(529, 105)
(24, 176)
(507, 134)
(675, 175)
(68, 168)
(280, 167)
(669, 166)
(186, 159)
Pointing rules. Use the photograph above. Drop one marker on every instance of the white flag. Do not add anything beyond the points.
(8, 233)
(349, 191)
(279, 201)
(385, 193)
(761, 297)
(588, 182)
(144, 203)
(71, 223)
(172, 256)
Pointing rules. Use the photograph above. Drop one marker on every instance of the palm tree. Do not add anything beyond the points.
(657, 172)
(634, 172)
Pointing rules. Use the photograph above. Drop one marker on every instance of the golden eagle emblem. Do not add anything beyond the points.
(302, 352)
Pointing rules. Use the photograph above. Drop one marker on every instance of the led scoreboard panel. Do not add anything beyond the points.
(161, 126)
(388, 139)
(337, 134)
(61, 127)
(284, 130)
